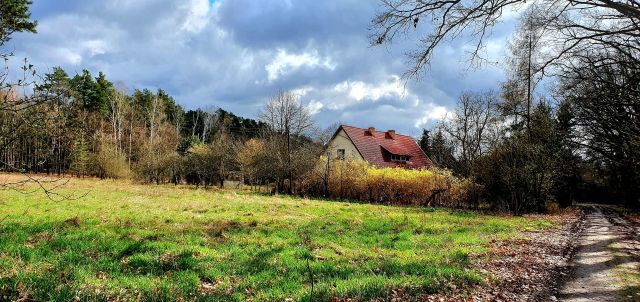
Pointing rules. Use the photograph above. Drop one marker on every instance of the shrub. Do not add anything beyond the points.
(106, 163)
(552, 207)
(357, 180)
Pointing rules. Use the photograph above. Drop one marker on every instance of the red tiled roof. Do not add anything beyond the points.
(377, 149)
(395, 150)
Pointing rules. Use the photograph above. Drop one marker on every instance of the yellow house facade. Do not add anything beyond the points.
(341, 147)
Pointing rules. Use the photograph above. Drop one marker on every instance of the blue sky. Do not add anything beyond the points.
(235, 54)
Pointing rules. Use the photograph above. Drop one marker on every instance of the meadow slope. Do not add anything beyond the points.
(130, 241)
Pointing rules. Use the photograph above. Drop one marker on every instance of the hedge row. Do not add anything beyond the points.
(357, 180)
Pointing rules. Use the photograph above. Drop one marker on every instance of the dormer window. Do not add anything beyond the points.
(399, 158)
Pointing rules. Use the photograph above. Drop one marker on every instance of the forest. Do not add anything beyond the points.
(88, 126)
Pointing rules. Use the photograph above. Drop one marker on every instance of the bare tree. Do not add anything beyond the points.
(156, 117)
(473, 127)
(224, 149)
(523, 65)
(209, 122)
(324, 136)
(195, 122)
(119, 106)
(288, 120)
(568, 25)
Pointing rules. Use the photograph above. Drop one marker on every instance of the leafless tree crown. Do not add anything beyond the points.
(567, 26)
(286, 115)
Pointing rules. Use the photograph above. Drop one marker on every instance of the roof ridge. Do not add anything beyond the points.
(400, 134)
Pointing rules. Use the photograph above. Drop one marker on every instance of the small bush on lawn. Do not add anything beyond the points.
(357, 180)
(106, 163)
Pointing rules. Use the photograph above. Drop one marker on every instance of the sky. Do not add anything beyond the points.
(236, 54)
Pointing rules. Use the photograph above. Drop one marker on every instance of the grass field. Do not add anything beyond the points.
(145, 242)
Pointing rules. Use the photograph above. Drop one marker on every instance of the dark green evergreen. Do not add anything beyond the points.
(15, 17)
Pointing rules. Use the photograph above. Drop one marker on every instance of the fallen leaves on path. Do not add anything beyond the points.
(528, 267)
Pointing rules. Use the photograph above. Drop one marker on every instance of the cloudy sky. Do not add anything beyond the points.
(235, 54)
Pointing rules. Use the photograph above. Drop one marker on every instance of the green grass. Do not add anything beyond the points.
(145, 242)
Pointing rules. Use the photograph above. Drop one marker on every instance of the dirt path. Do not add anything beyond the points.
(604, 268)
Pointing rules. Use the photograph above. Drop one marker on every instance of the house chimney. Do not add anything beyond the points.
(392, 134)
(372, 131)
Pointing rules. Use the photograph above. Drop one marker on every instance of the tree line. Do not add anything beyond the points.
(89, 126)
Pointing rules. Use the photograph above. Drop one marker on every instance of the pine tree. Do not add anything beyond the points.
(442, 151)
(103, 92)
(425, 143)
(15, 17)
(85, 88)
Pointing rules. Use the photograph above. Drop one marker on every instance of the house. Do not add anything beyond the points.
(382, 149)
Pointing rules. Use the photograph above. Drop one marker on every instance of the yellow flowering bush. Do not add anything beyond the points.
(357, 180)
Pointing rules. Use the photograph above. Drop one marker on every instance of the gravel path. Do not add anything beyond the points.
(603, 261)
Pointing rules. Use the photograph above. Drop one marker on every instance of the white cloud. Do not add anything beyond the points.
(302, 91)
(359, 90)
(315, 107)
(432, 113)
(198, 15)
(285, 62)
(94, 47)
(75, 55)
(67, 56)
(385, 103)
(513, 12)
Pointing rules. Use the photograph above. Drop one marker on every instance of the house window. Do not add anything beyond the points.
(400, 158)
(340, 154)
